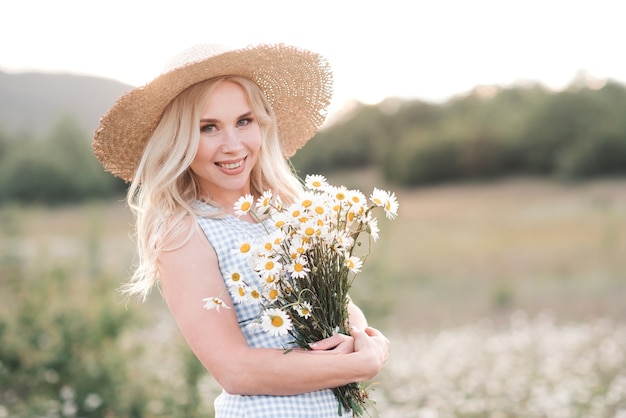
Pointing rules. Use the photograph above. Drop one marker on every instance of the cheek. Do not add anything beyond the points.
(254, 140)
(205, 152)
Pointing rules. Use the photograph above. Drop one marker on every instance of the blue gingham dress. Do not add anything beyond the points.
(223, 234)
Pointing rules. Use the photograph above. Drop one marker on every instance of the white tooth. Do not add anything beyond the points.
(232, 166)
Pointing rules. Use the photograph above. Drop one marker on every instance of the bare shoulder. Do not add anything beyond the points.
(189, 269)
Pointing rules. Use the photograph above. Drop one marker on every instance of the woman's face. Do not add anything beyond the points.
(230, 142)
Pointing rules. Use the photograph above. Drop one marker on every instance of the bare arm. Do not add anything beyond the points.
(190, 273)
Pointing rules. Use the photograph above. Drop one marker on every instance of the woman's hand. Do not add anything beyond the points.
(372, 344)
(337, 344)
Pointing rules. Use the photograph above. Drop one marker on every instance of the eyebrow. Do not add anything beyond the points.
(209, 120)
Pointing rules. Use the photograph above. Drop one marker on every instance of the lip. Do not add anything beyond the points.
(232, 166)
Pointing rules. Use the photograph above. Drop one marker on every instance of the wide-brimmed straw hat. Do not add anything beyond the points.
(296, 82)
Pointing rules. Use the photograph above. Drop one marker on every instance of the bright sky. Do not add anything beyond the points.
(428, 50)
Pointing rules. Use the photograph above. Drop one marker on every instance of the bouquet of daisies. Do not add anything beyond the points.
(308, 263)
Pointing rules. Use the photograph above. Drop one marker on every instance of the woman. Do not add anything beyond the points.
(216, 125)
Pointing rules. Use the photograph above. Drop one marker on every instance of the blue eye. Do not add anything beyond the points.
(244, 121)
(208, 128)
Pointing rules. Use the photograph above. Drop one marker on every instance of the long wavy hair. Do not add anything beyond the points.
(164, 188)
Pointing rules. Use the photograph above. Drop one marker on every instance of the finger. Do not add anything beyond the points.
(373, 332)
(327, 343)
(354, 331)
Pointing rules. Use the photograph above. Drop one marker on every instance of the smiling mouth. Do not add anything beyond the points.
(231, 166)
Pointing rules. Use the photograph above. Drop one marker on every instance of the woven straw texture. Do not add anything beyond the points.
(296, 82)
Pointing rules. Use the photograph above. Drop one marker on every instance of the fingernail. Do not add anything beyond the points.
(313, 345)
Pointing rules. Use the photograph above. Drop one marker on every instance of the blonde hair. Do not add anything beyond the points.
(164, 189)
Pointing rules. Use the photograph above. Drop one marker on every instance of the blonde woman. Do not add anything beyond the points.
(216, 125)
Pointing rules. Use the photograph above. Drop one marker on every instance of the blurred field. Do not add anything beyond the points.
(456, 253)
(513, 282)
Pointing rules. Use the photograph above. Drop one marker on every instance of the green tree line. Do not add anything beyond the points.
(577, 133)
(58, 167)
(573, 134)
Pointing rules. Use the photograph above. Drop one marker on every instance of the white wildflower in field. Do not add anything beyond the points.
(532, 369)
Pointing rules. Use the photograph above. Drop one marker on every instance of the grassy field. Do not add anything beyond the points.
(456, 253)
(513, 282)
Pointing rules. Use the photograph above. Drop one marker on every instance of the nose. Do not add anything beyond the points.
(231, 141)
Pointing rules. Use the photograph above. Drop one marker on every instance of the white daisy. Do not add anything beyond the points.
(271, 243)
(240, 293)
(341, 241)
(298, 267)
(391, 206)
(276, 322)
(281, 220)
(315, 182)
(264, 202)
(214, 303)
(354, 264)
(253, 296)
(243, 205)
(271, 294)
(268, 266)
(371, 226)
(387, 201)
(304, 309)
(233, 278)
(306, 201)
(243, 247)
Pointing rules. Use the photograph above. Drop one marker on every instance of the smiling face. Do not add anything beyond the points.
(230, 142)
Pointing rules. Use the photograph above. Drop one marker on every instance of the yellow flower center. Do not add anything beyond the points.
(273, 294)
(269, 265)
(298, 267)
(235, 277)
(310, 231)
(317, 183)
(277, 321)
(245, 206)
(319, 210)
(268, 246)
(279, 224)
(255, 294)
(305, 311)
(245, 247)
(242, 291)
(306, 203)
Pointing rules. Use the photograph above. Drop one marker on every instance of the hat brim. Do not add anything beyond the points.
(296, 82)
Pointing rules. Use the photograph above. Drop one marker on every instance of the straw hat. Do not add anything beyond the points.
(296, 82)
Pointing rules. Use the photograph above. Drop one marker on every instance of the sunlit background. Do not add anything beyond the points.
(378, 49)
(501, 127)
